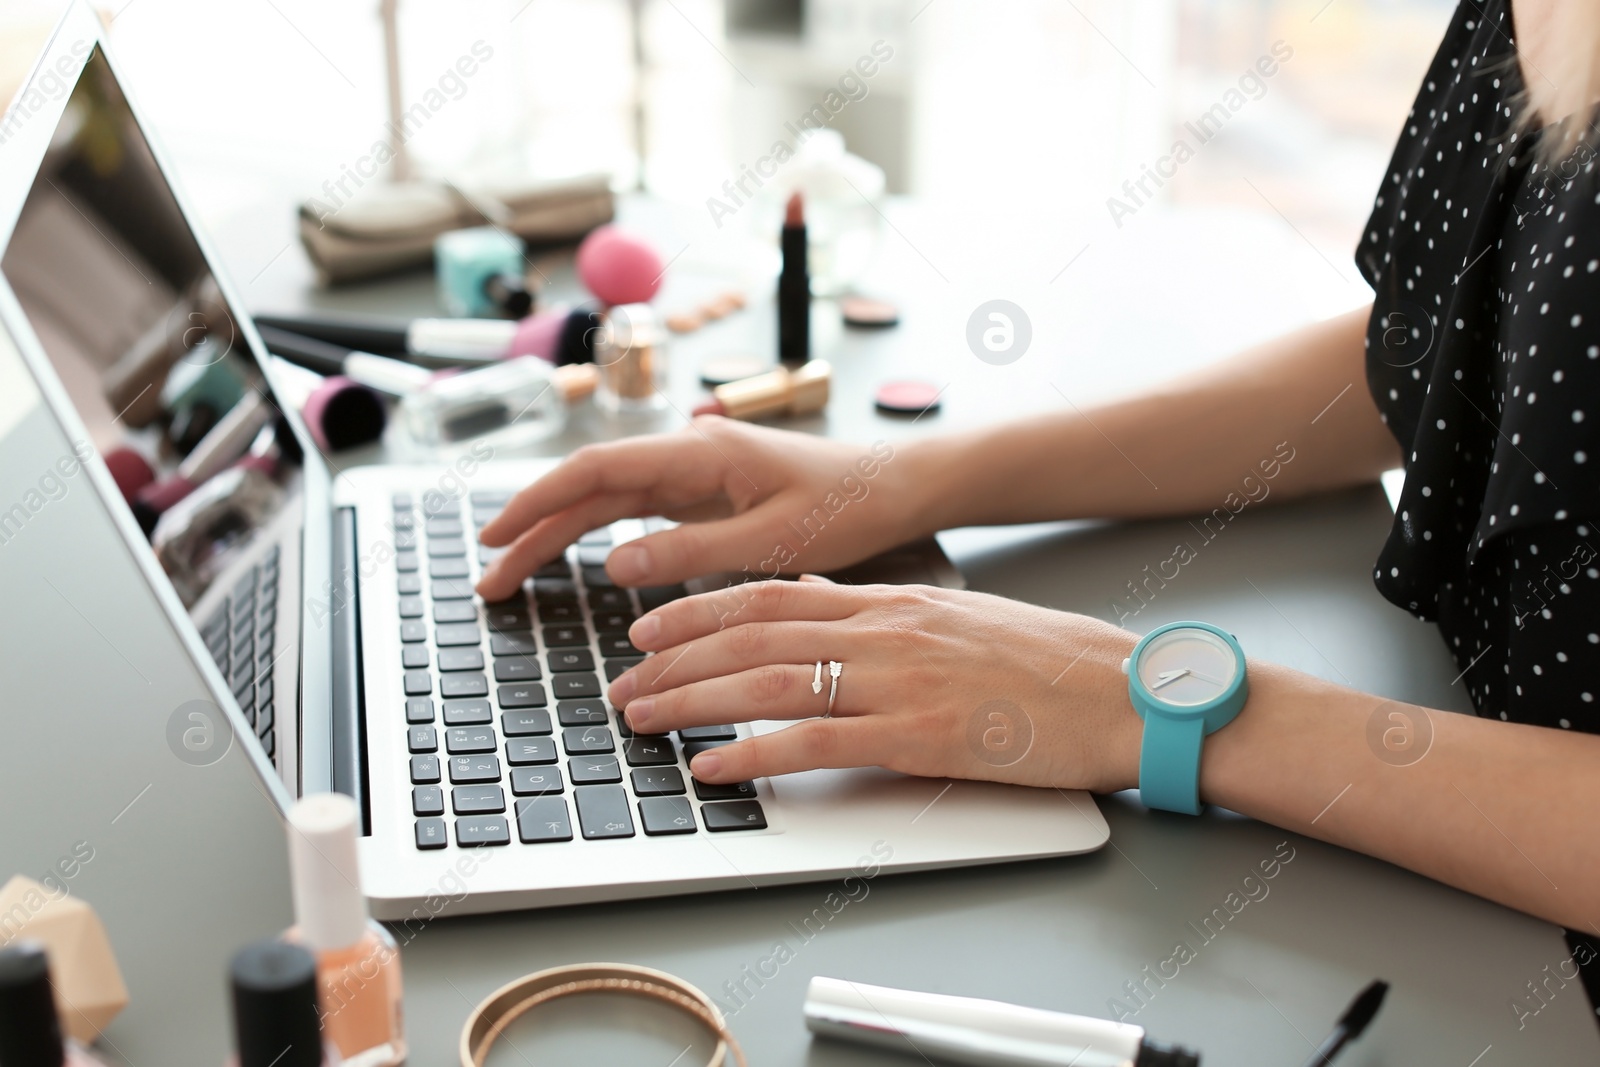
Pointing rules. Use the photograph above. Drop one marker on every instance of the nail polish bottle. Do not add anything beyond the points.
(480, 272)
(275, 1011)
(358, 962)
(30, 1030)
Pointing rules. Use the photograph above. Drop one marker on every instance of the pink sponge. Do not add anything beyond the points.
(619, 267)
(538, 335)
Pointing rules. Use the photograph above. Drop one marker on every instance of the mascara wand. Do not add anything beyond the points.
(1355, 1019)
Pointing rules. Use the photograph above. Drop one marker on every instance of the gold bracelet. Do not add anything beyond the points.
(508, 1003)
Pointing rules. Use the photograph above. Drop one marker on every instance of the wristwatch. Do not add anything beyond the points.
(1186, 680)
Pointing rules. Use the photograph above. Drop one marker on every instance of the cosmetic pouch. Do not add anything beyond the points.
(392, 226)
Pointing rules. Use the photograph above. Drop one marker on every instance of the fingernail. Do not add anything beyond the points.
(639, 711)
(630, 563)
(622, 689)
(644, 632)
(705, 765)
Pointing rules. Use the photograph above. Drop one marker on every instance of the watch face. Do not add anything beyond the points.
(1187, 666)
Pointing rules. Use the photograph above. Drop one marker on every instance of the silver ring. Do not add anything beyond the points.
(834, 668)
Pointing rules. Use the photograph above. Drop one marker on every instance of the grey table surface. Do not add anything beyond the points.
(189, 862)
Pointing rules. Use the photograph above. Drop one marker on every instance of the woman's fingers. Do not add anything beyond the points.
(691, 550)
(549, 538)
(684, 461)
(694, 617)
(771, 691)
(853, 742)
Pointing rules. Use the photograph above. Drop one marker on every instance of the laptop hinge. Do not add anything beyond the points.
(347, 721)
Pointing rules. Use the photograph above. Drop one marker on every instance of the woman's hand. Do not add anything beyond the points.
(749, 497)
(935, 682)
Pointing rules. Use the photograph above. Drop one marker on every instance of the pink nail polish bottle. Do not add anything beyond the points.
(30, 1030)
(358, 962)
(276, 1020)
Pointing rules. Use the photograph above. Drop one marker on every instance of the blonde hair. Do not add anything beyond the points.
(1561, 94)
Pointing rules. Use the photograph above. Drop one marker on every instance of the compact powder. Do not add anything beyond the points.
(907, 397)
(866, 313)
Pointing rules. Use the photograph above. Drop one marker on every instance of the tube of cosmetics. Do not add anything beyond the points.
(275, 1013)
(30, 1029)
(358, 962)
(781, 391)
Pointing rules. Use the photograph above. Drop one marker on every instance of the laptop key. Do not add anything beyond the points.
(451, 589)
(461, 659)
(442, 547)
(418, 683)
(455, 611)
(264, 720)
(523, 751)
(562, 613)
(615, 643)
(405, 540)
(593, 555)
(581, 712)
(424, 769)
(667, 815)
(413, 630)
(401, 501)
(414, 657)
(442, 527)
(588, 770)
(456, 633)
(601, 536)
(489, 498)
(465, 740)
(571, 659)
(431, 833)
(427, 800)
(465, 770)
(535, 781)
(453, 567)
(692, 749)
(657, 782)
(422, 739)
(615, 668)
(734, 815)
(556, 568)
(406, 562)
(517, 669)
(565, 636)
(477, 831)
(405, 520)
(603, 812)
(477, 799)
(419, 710)
(409, 584)
(597, 578)
(584, 740)
(513, 616)
(467, 713)
(555, 588)
(650, 752)
(541, 819)
(513, 644)
(610, 600)
(463, 685)
(525, 723)
(730, 791)
(522, 695)
(269, 742)
(728, 732)
(654, 596)
(568, 686)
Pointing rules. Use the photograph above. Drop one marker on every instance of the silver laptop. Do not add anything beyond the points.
(332, 615)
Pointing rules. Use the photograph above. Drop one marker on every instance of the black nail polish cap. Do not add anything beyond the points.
(30, 1032)
(275, 1006)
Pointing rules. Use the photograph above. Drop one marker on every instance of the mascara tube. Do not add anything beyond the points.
(985, 1033)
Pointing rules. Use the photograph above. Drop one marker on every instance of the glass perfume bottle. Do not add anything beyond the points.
(275, 1015)
(30, 1030)
(358, 962)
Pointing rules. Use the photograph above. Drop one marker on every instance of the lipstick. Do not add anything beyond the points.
(779, 392)
(794, 288)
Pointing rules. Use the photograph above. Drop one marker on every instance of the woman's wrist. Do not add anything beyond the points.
(937, 488)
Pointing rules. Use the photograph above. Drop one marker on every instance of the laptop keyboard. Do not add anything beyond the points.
(509, 736)
(240, 636)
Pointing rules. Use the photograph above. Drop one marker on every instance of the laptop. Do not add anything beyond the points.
(332, 614)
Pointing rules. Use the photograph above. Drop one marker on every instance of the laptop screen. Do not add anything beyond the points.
(114, 284)
(120, 295)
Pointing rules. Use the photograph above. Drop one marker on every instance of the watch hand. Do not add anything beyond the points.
(1167, 677)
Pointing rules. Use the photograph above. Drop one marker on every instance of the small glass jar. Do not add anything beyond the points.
(506, 405)
(632, 356)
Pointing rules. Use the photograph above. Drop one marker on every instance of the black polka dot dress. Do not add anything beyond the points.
(1483, 354)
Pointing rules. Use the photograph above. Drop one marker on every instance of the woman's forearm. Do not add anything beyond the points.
(1497, 809)
(1179, 449)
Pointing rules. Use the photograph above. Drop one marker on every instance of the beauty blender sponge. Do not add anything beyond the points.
(619, 267)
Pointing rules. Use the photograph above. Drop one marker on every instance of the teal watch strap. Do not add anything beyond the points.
(1169, 763)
